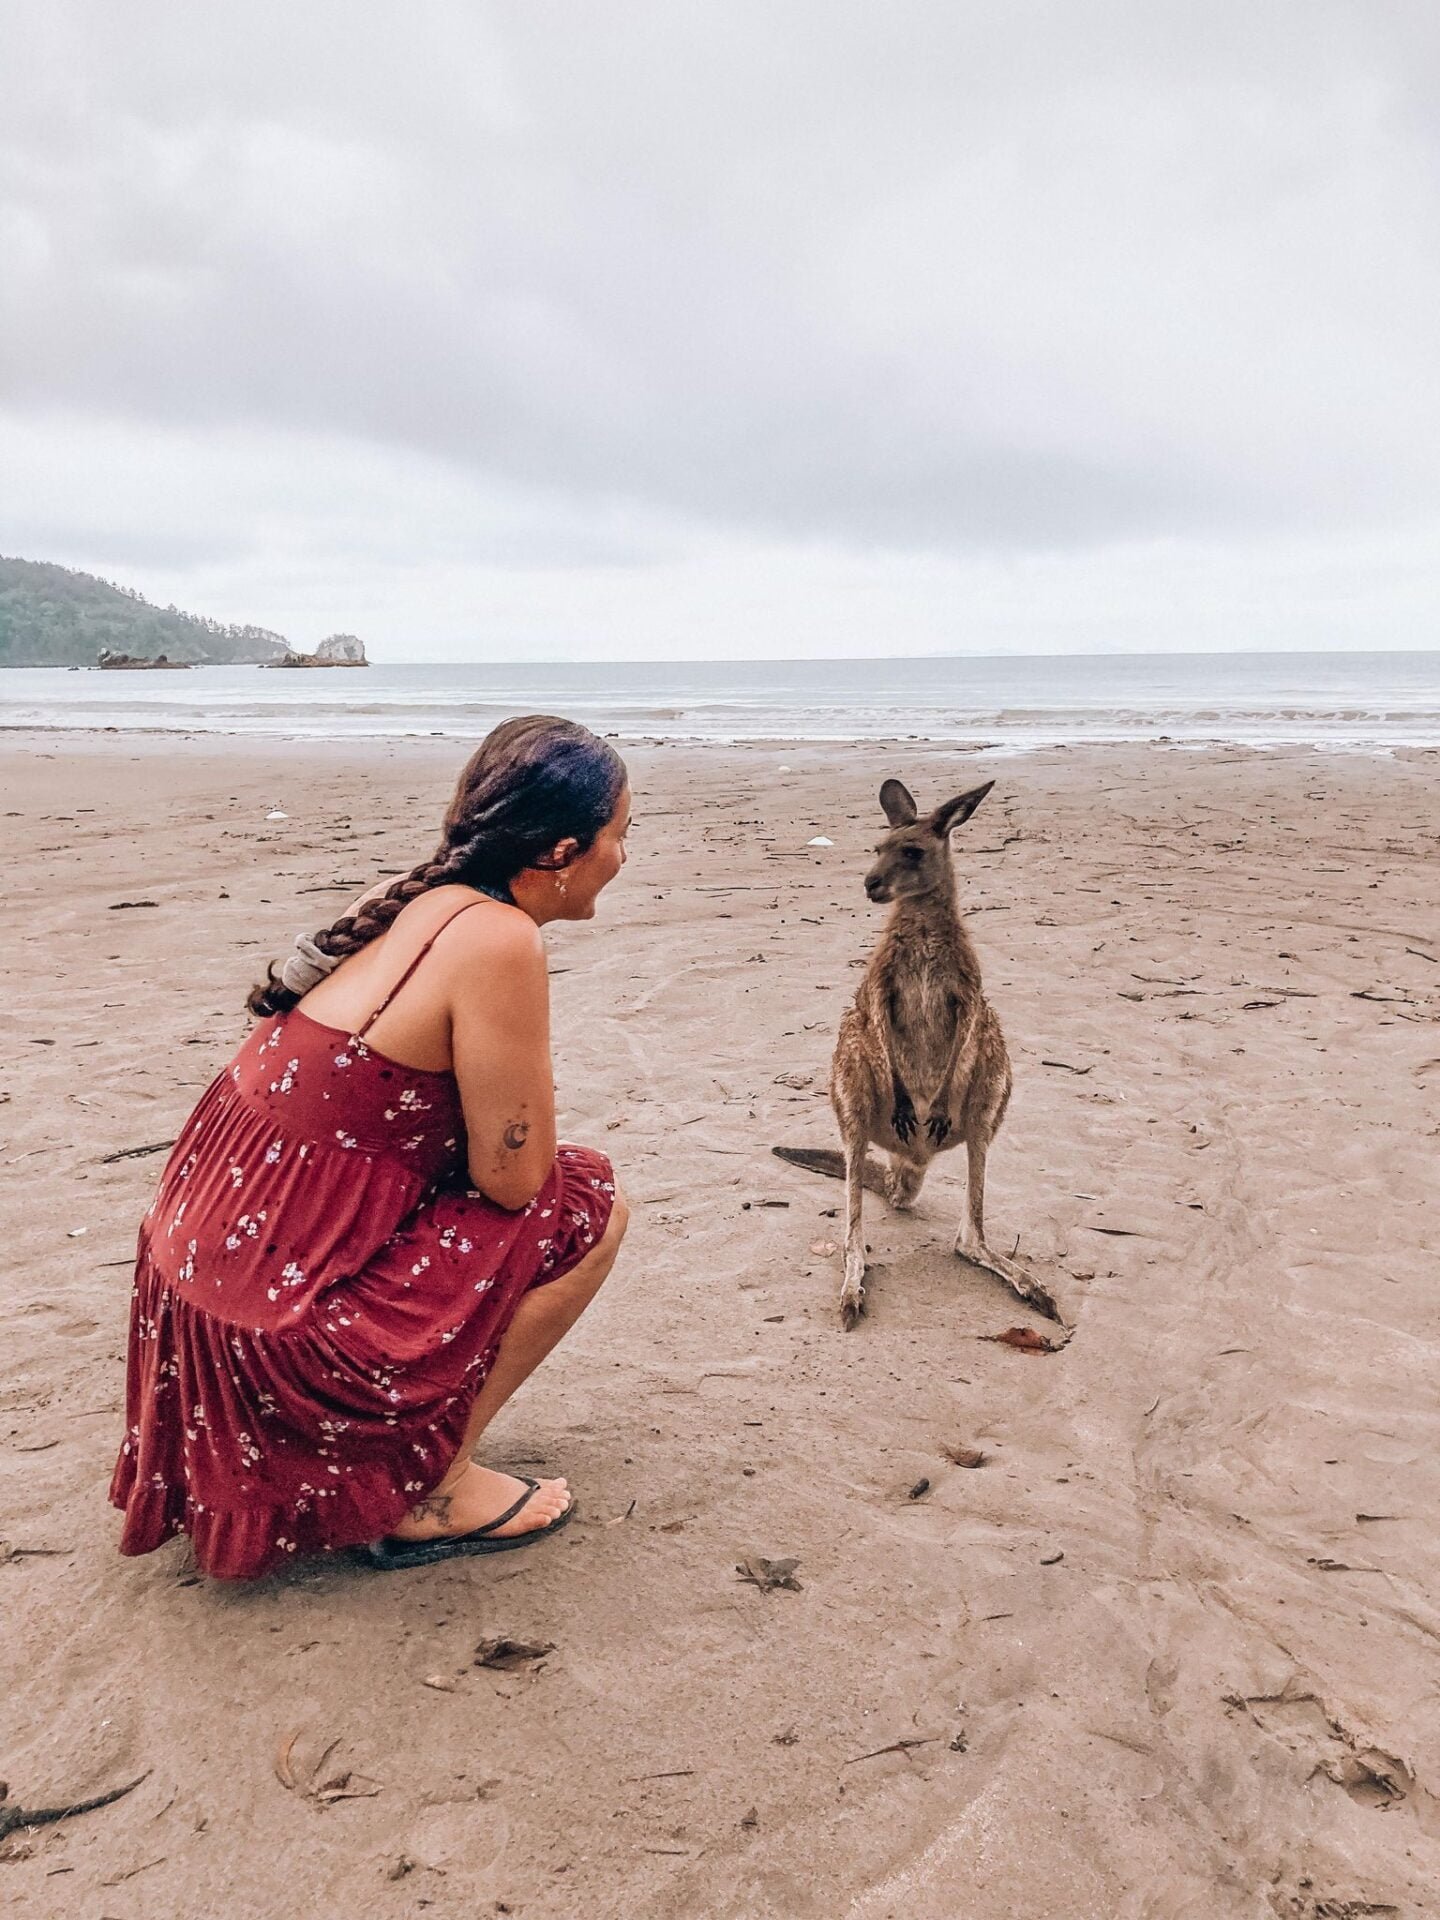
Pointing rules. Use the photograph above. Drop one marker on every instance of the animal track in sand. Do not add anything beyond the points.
(1310, 1906)
(1299, 1720)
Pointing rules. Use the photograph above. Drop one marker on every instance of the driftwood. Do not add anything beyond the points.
(12, 1818)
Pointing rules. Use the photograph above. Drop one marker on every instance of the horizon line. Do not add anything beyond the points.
(919, 659)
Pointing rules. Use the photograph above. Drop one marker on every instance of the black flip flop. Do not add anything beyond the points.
(391, 1554)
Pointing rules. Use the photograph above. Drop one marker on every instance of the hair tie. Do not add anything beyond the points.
(307, 966)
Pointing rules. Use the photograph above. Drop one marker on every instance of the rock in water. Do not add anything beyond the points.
(342, 649)
(339, 650)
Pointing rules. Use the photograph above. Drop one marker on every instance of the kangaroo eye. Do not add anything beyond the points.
(913, 854)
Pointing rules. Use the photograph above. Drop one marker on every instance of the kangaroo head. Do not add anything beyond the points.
(914, 856)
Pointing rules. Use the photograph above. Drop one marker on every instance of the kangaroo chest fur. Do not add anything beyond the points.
(925, 993)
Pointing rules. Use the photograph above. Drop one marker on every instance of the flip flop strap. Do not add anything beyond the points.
(532, 1487)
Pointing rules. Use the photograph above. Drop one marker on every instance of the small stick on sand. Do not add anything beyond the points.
(135, 1153)
(12, 1819)
(895, 1746)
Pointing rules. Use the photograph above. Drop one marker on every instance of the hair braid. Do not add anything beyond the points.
(352, 931)
(531, 784)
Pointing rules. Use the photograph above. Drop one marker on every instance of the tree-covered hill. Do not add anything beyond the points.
(53, 617)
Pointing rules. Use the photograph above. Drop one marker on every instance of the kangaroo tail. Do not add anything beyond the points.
(827, 1161)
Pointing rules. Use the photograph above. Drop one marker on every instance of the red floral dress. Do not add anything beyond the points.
(319, 1293)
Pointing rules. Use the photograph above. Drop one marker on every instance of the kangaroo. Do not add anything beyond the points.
(920, 1062)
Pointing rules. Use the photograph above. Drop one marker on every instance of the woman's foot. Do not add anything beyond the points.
(475, 1497)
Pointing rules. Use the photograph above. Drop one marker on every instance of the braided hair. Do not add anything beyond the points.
(531, 783)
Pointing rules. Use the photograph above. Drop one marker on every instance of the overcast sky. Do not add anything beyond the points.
(665, 328)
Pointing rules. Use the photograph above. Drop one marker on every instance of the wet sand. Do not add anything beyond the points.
(1172, 1651)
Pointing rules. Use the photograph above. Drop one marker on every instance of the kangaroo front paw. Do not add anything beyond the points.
(938, 1127)
(903, 1119)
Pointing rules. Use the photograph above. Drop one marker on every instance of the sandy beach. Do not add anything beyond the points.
(1170, 1652)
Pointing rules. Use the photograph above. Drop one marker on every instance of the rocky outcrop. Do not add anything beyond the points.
(342, 650)
(339, 650)
(109, 662)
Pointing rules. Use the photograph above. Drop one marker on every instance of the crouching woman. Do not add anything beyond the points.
(367, 1235)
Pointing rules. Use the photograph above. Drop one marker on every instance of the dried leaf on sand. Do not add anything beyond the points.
(965, 1456)
(285, 1759)
(345, 1785)
(501, 1652)
(768, 1575)
(1024, 1340)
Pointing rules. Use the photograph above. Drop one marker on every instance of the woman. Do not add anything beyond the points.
(366, 1236)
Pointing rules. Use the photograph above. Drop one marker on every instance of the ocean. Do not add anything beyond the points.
(1365, 702)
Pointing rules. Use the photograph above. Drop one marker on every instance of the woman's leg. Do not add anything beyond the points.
(471, 1496)
(541, 1321)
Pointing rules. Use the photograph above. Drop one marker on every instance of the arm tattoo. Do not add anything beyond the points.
(516, 1134)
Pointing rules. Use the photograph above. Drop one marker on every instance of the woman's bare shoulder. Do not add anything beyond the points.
(495, 929)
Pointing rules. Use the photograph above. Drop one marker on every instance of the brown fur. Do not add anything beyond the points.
(920, 1063)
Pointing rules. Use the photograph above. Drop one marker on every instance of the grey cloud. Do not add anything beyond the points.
(938, 276)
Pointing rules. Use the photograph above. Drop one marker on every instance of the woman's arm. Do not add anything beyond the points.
(500, 1049)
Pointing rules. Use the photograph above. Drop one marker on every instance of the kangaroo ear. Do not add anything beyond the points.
(899, 803)
(954, 813)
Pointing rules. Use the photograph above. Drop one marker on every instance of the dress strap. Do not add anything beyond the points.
(360, 1035)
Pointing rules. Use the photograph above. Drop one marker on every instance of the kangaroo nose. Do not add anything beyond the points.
(874, 886)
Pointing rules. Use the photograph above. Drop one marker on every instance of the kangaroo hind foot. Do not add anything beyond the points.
(1018, 1278)
(852, 1294)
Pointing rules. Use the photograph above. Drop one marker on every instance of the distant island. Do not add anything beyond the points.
(109, 662)
(340, 650)
(55, 617)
